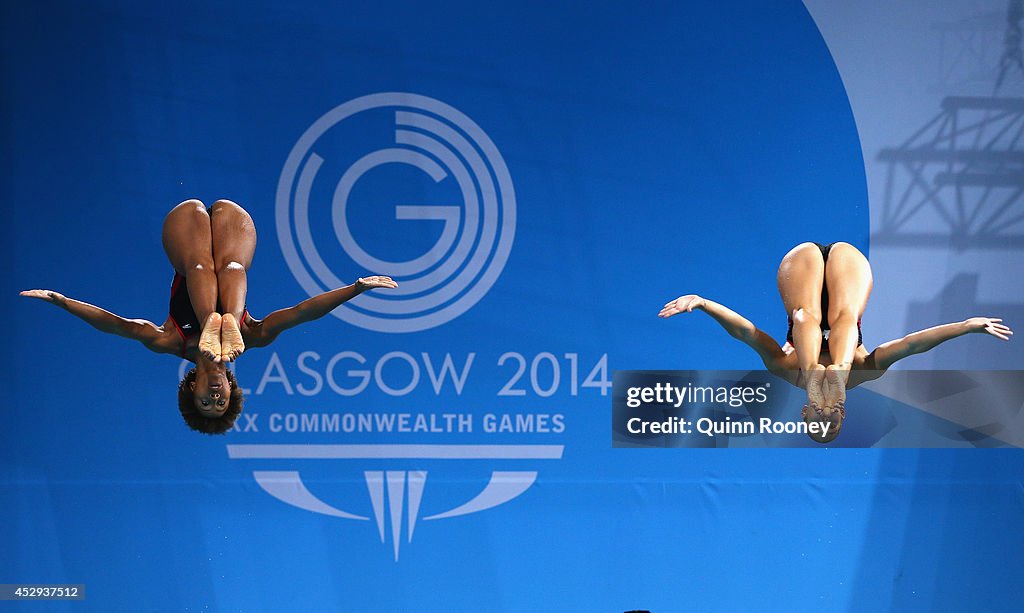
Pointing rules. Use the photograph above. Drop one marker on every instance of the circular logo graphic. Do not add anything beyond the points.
(315, 196)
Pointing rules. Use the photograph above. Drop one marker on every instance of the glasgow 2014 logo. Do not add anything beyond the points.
(433, 166)
(395, 495)
(476, 236)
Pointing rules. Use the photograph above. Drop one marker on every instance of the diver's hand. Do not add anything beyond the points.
(682, 304)
(48, 295)
(367, 283)
(988, 325)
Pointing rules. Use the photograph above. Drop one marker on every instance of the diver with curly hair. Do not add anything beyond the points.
(211, 251)
(825, 289)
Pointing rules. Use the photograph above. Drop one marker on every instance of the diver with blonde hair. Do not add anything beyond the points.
(825, 289)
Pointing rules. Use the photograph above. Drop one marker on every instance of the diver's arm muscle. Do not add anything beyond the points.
(736, 325)
(919, 342)
(313, 308)
(104, 321)
(743, 329)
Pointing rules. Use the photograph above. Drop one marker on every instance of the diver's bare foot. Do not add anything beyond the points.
(836, 375)
(209, 340)
(231, 342)
(816, 387)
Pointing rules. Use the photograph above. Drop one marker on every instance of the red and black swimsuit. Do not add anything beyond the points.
(824, 305)
(181, 312)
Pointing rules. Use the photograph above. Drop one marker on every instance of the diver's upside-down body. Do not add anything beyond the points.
(825, 290)
(210, 250)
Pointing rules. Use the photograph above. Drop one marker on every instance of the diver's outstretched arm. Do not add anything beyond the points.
(140, 330)
(918, 342)
(736, 325)
(266, 331)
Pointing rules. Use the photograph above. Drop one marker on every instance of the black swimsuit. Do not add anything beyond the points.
(181, 312)
(824, 305)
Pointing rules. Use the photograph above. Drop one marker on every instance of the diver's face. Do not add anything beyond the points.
(211, 392)
(831, 417)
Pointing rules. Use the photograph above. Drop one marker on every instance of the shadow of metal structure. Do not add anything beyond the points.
(958, 297)
(959, 180)
(954, 189)
(972, 49)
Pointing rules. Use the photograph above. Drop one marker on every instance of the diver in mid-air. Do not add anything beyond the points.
(210, 250)
(825, 289)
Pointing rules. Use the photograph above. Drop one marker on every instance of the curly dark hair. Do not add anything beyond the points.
(201, 423)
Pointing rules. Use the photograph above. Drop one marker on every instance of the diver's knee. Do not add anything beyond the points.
(806, 315)
(229, 266)
(841, 316)
(200, 265)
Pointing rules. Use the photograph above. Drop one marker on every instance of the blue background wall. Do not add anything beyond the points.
(654, 152)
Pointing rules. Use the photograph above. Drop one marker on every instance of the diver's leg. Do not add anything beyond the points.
(801, 275)
(234, 243)
(848, 279)
(188, 243)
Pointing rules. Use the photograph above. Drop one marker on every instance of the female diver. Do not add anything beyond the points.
(825, 289)
(210, 250)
